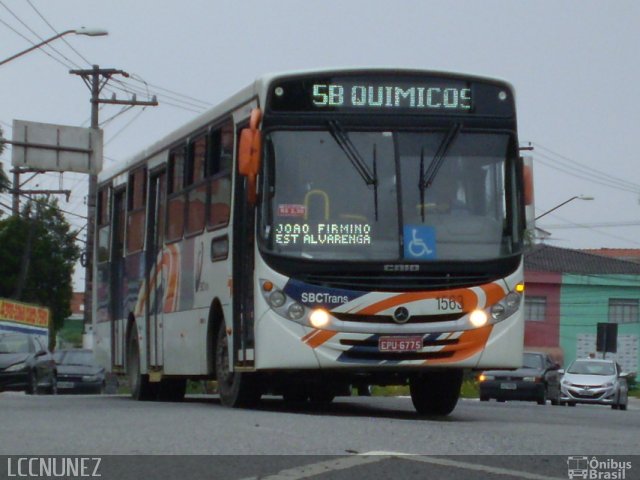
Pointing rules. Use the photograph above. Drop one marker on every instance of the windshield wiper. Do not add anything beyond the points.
(426, 178)
(344, 142)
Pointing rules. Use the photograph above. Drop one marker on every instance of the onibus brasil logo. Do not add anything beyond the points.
(593, 468)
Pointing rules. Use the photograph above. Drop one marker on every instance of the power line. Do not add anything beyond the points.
(617, 237)
(56, 32)
(567, 165)
(632, 223)
(51, 47)
(552, 163)
(595, 172)
(172, 92)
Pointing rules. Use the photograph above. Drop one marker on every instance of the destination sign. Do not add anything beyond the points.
(391, 96)
(389, 93)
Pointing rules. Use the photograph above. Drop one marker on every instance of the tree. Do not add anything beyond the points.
(4, 181)
(37, 256)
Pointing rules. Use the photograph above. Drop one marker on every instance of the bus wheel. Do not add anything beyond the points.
(236, 389)
(141, 388)
(437, 392)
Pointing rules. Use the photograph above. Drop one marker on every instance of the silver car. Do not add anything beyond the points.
(594, 381)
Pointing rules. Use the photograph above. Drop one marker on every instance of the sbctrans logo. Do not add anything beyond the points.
(594, 468)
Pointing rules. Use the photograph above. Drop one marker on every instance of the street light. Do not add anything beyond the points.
(576, 197)
(90, 32)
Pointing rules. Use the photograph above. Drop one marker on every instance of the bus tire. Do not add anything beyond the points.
(141, 387)
(236, 389)
(437, 392)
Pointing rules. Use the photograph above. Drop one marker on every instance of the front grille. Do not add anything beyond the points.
(389, 356)
(353, 317)
(586, 397)
(393, 283)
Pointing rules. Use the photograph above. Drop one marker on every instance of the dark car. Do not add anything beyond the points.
(26, 364)
(78, 372)
(537, 380)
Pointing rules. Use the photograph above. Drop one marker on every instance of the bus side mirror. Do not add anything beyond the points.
(527, 192)
(527, 177)
(249, 154)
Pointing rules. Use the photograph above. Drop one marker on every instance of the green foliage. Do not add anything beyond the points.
(41, 246)
(4, 180)
(71, 333)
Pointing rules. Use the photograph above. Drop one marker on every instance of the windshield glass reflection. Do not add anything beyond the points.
(420, 196)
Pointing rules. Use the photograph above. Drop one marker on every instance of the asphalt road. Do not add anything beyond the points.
(353, 438)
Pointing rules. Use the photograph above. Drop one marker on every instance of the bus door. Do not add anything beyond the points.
(243, 272)
(117, 283)
(154, 267)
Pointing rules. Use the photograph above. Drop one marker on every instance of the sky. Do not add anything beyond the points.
(574, 65)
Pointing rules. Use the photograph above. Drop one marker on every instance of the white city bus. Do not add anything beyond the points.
(317, 231)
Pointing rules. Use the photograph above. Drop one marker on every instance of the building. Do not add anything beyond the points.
(569, 292)
(629, 254)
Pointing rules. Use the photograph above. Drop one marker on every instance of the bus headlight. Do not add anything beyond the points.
(478, 318)
(506, 307)
(319, 318)
(295, 311)
(277, 299)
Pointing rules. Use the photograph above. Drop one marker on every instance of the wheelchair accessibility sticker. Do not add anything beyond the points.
(419, 242)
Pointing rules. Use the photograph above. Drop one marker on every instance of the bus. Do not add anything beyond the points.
(317, 232)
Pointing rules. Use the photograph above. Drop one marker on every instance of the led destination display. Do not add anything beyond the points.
(391, 96)
(387, 93)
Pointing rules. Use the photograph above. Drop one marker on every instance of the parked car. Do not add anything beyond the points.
(537, 380)
(595, 381)
(26, 364)
(78, 372)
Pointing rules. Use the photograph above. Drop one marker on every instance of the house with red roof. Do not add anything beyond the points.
(568, 292)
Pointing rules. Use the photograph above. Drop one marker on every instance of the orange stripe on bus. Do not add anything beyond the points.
(321, 337)
(172, 260)
(469, 343)
(469, 298)
(494, 293)
(310, 334)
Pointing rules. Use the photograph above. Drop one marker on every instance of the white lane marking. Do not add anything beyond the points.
(344, 463)
(445, 462)
(306, 471)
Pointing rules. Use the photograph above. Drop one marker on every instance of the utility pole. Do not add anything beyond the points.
(96, 78)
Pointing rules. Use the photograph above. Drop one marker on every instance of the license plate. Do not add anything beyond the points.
(400, 344)
(65, 384)
(508, 386)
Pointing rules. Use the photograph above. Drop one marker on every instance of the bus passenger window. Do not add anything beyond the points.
(175, 216)
(136, 210)
(197, 194)
(176, 171)
(220, 165)
(197, 158)
(104, 224)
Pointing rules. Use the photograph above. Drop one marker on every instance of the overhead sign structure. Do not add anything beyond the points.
(59, 148)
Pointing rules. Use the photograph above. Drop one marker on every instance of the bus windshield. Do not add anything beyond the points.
(347, 194)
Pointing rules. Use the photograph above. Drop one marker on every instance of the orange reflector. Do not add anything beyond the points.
(267, 286)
